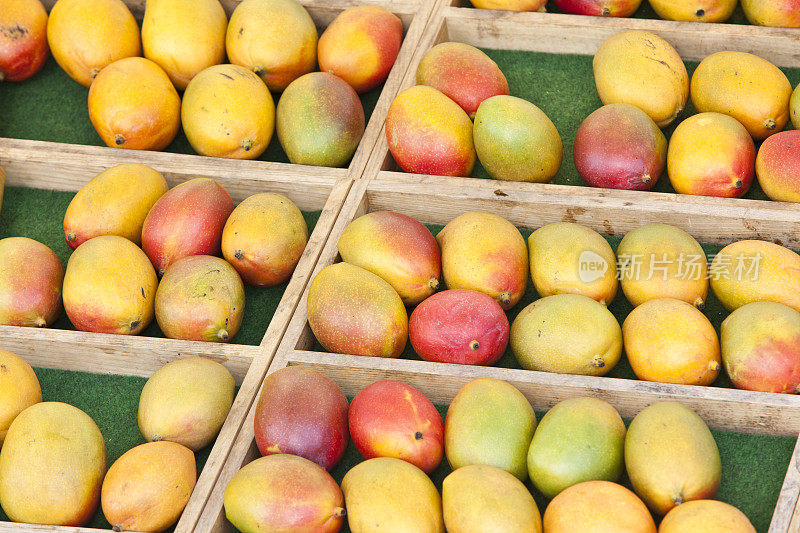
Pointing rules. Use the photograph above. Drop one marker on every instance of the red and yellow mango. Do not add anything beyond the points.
(601, 8)
(694, 10)
(779, 13)
(23, 41)
(31, 279)
(778, 166)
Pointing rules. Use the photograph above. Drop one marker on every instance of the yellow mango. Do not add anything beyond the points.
(19, 389)
(510, 5)
(706, 516)
(597, 507)
(2, 185)
(794, 107)
(694, 10)
(776, 13)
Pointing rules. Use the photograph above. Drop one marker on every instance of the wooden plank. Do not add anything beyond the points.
(787, 511)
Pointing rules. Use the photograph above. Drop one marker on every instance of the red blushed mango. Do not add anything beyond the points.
(302, 412)
(602, 8)
(428, 133)
(459, 326)
(187, 220)
(510, 5)
(23, 39)
(778, 166)
(780, 13)
(620, 147)
(360, 46)
(396, 247)
(711, 154)
(463, 73)
(392, 419)
(31, 277)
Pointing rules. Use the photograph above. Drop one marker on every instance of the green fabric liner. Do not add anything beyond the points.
(39, 215)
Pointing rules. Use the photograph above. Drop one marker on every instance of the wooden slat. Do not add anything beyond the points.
(786, 516)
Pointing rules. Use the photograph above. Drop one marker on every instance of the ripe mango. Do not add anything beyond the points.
(19, 389)
(516, 141)
(132, 104)
(147, 488)
(568, 258)
(187, 220)
(627, 58)
(184, 36)
(265, 258)
(510, 5)
(485, 252)
(620, 147)
(276, 39)
(353, 311)
(360, 46)
(671, 457)
(751, 271)
(31, 278)
(186, 401)
(463, 73)
(387, 494)
(227, 111)
(115, 202)
(302, 412)
(284, 493)
(428, 133)
(391, 419)
(567, 333)
(23, 43)
(52, 465)
(779, 13)
(489, 422)
(761, 347)
(670, 341)
(486, 498)
(662, 261)
(397, 248)
(110, 287)
(706, 516)
(597, 507)
(2, 185)
(85, 36)
(794, 108)
(580, 439)
(599, 8)
(694, 10)
(778, 166)
(743, 86)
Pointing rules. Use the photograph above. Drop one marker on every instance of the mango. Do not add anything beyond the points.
(302, 412)
(706, 516)
(184, 37)
(761, 347)
(23, 44)
(387, 494)
(353, 311)
(671, 457)
(662, 261)
(397, 248)
(752, 271)
(2, 185)
(694, 10)
(428, 133)
(599, 8)
(743, 86)
(284, 493)
(31, 278)
(147, 488)
(227, 111)
(132, 104)
(568, 334)
(620, 147)
(486, 498)
(110, 287)
(510, 5)
(459, 326)
(779, 13)
(360, 46)
(265, 258)
(485, 252)
(276, 39)
(115, 202)
(627, 58)
(85, 36)
(794, 108)
(391, 419)
(186, 401)
(597, 507)
(19, 389)
(52, 465)
(187, 220)
(568, 258)
(200, 298)
(463, 73)
(489, 422)
(778, 166)
(516, 141)
(670, 341)
(580, 439)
